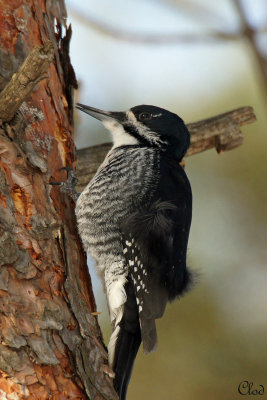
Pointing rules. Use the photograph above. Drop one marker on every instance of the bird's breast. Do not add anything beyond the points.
(125, 181)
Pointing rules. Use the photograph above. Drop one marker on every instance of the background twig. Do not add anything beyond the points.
(153, 38)
(250, 34)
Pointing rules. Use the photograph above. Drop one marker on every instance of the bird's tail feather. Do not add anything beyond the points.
(127, 343)
(128, 347)
(149, 335)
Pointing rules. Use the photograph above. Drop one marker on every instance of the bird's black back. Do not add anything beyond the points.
(157, 237)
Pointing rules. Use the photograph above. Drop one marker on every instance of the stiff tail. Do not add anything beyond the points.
(127, 343)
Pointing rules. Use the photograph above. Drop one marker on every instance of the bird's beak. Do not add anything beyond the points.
(101, 114)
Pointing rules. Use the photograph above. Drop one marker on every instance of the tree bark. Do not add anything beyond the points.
(51, 345)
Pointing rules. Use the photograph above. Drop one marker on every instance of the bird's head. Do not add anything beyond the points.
(145, 125)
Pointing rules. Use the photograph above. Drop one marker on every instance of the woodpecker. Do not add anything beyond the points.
(134, 219)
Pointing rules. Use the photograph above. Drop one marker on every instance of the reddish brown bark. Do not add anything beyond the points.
(51, 345)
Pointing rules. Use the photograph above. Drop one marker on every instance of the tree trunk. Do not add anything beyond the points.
(51, 345)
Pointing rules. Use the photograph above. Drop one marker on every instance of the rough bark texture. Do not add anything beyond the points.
(51, 345)
(222, 132)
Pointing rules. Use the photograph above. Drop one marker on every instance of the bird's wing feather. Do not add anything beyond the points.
(154, 240)
(155, 243)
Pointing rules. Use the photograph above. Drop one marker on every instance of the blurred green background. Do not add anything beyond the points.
(215, 337)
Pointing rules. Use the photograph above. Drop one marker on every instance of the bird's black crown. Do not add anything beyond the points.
(169, 130)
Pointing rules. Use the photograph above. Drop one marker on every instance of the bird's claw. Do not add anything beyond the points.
(68, 187)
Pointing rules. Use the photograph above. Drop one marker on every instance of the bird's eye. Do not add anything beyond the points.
(145, 116)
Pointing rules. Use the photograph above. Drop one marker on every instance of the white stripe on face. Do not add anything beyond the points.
(143, 130)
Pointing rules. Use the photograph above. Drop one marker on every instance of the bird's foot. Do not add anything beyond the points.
(68, 187)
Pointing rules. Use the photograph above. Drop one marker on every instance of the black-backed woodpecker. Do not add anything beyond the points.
(134, 219)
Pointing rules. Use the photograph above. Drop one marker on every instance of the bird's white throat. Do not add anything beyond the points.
(119, 135)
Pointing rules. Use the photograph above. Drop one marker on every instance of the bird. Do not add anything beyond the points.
(134, 219)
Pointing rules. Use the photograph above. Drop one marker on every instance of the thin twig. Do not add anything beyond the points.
(221, 132)
(23, 82)
(145, 38)
(250, 34)
(200, 12)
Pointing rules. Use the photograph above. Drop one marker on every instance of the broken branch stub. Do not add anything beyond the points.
(23, 82)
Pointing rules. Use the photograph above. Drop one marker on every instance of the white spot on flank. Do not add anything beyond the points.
(131, 263)
(140, 308)
(125, 250)
(128, 243)
(116, 298)
(138, 288)
(135, 269)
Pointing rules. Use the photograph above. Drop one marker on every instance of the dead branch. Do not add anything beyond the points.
(222, 132)
(22, 83)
